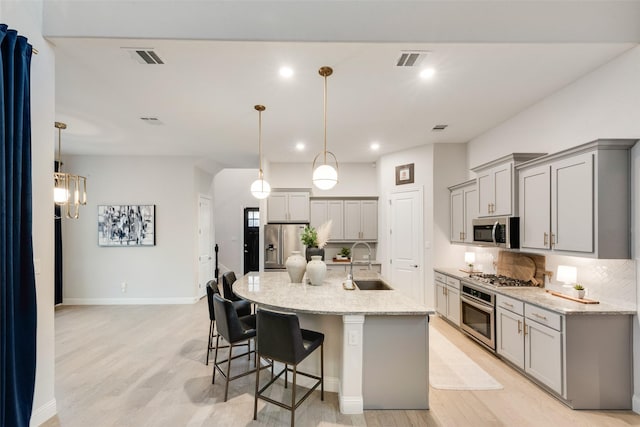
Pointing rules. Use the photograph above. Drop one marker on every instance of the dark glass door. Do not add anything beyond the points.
(251, 239)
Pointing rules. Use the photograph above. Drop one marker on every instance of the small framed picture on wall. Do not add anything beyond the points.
(404, 174)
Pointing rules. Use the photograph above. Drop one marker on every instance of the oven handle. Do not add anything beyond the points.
(493, 232)
(486, 308)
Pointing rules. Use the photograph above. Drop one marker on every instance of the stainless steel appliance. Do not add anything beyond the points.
(477, 314)
(503, 232)
(279, 241)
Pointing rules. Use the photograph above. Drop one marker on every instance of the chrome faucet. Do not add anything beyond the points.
(350, 276)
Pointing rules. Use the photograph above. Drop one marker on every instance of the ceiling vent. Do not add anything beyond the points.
(144, 55)
(411, 58)
(152, 121)
(439, 128)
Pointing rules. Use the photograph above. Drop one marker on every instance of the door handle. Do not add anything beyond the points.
(245, 251)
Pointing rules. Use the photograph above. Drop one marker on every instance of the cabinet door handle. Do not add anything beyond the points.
(489, 208)
(553, 239)
(464, 236)
(546, 239)
(460, 236)
(519, 327)
(525, 328)
(539, 316)
(414, 265)
(508, 305)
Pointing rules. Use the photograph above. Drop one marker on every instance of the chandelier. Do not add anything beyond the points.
(69, 190)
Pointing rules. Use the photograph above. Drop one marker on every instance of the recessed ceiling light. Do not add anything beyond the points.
(375, 146)
(286, 72)
(427, 73)
(300, 146)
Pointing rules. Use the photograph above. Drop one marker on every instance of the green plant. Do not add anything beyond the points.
(345, 252)
(309, 237)
(578, 287)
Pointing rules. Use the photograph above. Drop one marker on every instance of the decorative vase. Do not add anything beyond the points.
(296, 265)
(578, 293)
(309, 252)
(316, 270)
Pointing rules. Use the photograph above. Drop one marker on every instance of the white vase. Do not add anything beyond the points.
(578, 293)
(296, 265)
(316, 270)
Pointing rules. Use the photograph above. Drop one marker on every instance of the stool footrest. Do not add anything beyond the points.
(302, 399)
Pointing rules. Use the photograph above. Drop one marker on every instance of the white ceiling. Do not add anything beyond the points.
(205, 92)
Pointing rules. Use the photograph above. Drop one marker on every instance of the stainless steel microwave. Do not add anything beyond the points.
(503, 232)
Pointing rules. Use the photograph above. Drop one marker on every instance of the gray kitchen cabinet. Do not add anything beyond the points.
(497, 189)
(577, 201)
(322, 210)
(534, 347)
(288, 206)
(584, 359)
(448, 297)
(361, 220)
(464, 208)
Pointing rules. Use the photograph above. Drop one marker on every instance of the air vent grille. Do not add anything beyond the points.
(439, 128)
(152, 121)
(411, 58)
(144, 55)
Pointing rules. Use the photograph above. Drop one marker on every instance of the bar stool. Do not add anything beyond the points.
(281, 339)
(236, 331)
(243, 308)
(228, 279)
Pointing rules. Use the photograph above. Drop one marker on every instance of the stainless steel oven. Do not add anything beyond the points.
(477, 314)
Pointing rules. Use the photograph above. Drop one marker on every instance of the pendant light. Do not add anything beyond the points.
(260, 188)
(69, 190)
(325, 176)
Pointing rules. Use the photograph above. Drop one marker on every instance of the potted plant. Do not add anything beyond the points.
(344, 253)
(315, 240)
(578, 290)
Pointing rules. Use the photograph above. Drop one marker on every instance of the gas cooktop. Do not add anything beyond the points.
(500, 281)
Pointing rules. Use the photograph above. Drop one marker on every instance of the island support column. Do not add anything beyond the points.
(350, 395)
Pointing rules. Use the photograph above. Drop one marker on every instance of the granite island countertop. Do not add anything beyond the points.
(274, 290)
(539, 297)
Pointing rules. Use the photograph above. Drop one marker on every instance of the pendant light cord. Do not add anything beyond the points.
(260, 109)
(325, 119)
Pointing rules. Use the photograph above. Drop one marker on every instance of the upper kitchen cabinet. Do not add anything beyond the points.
(496, 180)
(577, 201)
(464, 208)
(322, 210)
(288, 206)
(361, 220)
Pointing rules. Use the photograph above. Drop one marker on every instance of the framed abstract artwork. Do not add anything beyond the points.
(404, 174)
(126, 225)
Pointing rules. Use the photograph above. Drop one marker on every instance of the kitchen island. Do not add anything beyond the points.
(376, 342)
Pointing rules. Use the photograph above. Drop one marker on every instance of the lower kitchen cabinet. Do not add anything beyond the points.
(585, 359)
(448, 297)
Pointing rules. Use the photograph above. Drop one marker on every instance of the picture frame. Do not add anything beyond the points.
(404, 174)
(126, 225)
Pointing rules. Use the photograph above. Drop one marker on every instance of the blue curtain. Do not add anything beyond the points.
(18, 292)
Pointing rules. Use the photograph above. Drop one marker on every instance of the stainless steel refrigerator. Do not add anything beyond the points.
(279, 241)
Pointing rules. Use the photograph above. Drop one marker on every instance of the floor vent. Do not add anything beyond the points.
(411, 58)
(439, 128)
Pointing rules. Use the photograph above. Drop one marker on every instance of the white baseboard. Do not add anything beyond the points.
(635, 404)
(43, 413)
(130, 301)
(351, 405)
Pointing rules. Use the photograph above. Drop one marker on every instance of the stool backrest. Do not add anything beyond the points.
(228, 279)
(227, 321)
(279, 336)
(212, 288)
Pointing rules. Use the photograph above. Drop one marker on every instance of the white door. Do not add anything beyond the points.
(406, 242)
(205, 258)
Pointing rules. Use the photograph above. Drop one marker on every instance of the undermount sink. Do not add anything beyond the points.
(372, 285)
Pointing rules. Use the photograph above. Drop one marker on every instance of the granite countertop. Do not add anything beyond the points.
(358, 262)
(274, 290)
(539, 297)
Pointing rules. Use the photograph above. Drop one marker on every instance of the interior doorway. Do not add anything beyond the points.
(251, 239)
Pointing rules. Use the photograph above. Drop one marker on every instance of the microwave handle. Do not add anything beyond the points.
(493, 232)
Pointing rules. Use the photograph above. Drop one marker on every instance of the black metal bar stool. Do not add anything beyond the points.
(243, 308)
(281, 339)
(236, 331)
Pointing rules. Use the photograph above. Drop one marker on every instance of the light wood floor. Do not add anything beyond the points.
(144, 366)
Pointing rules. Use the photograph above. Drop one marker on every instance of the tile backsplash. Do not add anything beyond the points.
(611, 281)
